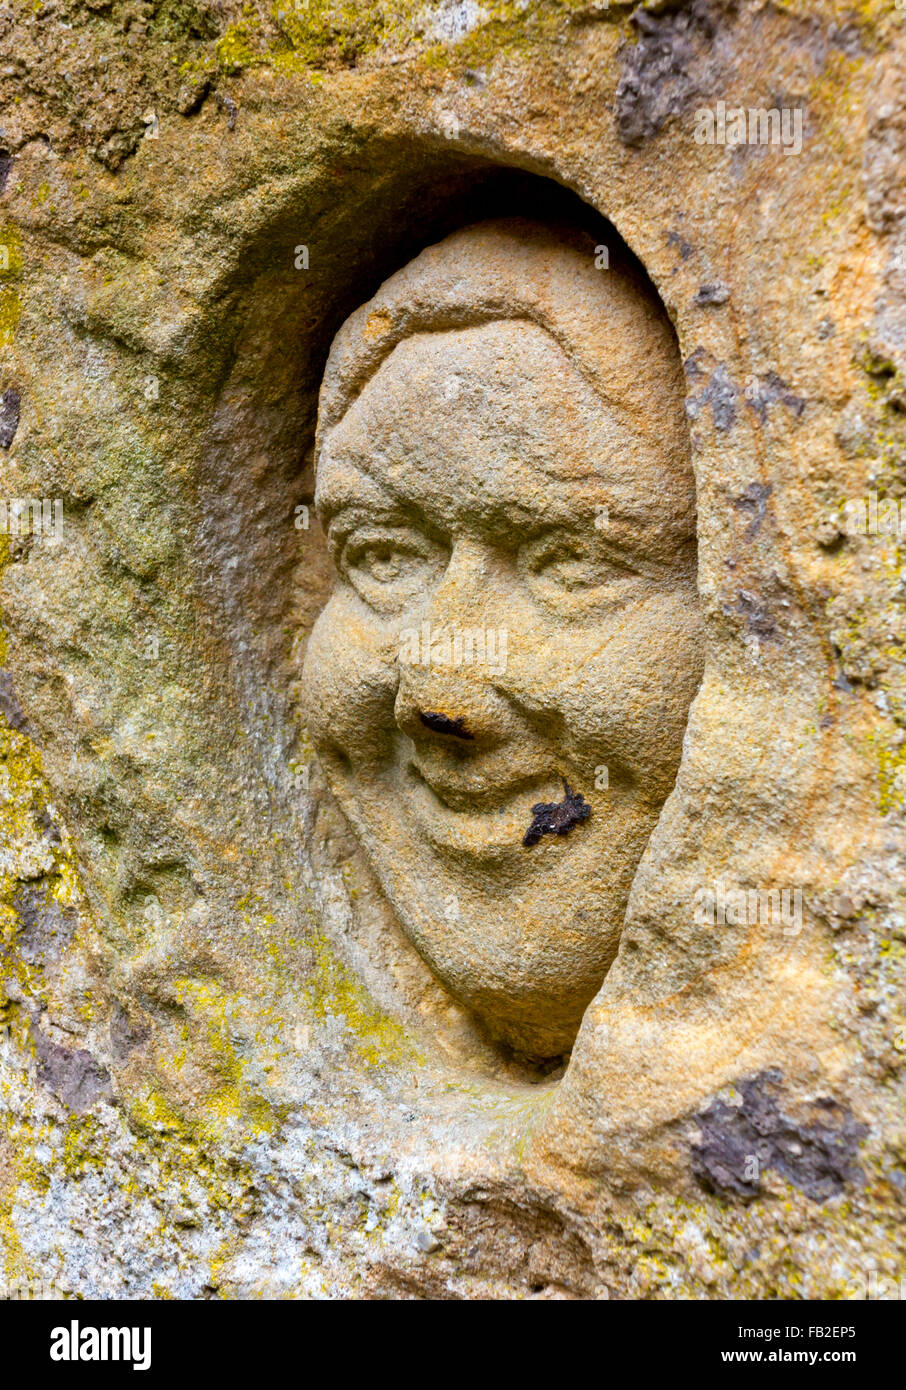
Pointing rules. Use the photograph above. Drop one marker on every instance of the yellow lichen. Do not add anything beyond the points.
(11, 271)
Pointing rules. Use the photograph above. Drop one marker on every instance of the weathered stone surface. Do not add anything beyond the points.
(515, 613)
(230, 1065)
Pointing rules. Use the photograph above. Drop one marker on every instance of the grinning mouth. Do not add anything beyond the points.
(473, 796)
(478, 820)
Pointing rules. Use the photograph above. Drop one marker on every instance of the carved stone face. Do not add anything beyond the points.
(514, 623)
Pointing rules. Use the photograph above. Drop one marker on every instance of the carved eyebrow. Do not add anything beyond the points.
(348, 517)
(358, 516)
(340, 496)
(339, 479)
(626, 551)
(633, 533)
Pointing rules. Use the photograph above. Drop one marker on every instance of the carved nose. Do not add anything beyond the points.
(442, 724)
(445, 709)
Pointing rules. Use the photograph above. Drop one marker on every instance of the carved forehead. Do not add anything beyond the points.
(605, 322)
(502, 390)
(482, 426)
(492, 411)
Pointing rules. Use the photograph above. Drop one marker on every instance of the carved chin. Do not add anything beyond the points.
(522, 935)
(519, 974)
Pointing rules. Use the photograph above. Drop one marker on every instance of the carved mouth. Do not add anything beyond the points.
(451, 816)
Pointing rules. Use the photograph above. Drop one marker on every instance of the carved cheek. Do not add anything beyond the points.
(349, 683)
(624, 688)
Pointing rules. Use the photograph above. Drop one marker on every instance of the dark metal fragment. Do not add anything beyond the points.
(557, 817)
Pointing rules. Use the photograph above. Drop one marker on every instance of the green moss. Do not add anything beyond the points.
(23, 801)
(238, 47)
(11, 270)
(333, 992)
(321, 33)
(183, 19)
(891, 762)
(315, 36)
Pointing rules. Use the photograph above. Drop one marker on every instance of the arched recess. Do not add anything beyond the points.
(264, 563)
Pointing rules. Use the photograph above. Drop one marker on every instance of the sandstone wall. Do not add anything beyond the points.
(223, 1071)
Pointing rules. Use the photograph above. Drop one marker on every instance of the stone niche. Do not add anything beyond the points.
(512, 639)
(454, 820)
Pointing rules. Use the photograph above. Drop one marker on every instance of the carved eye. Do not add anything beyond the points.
(383, 562)
(564, 562)
(387, 568)
(557, 567)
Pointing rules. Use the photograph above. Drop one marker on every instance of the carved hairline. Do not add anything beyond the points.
(532, 272)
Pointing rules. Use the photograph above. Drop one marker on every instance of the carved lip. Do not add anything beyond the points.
(497, 817)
